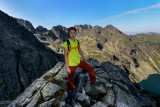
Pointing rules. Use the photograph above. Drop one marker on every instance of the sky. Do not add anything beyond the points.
(129, 16)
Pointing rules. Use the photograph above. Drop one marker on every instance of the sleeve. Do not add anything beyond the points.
(65, 45)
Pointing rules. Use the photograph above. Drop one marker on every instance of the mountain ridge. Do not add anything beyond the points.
(23, 57)
(116, 88)
(113, 43)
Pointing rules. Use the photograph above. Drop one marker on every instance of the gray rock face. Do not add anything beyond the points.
(22, 58)
(28, 25)
(41, 29)
(84, 99)
(99, 104)
(109, 98)
(48, 91)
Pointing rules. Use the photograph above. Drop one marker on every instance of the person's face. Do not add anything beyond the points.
(72, 33)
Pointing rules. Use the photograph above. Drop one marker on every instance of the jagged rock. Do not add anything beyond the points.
(49, 90)
(62, 74)
(101, 79)
(99, 70)
(97, 63)
(60, 32)
(47, 103)
(111, 28)
(96, 91)
(40, 29)
(80, 82)
(84, 99)
(124, 98)
(100, 104)
(108, 66)
(64, 96)
(121, 85)
(104, 75)
(61, 104)
(35, 99)
(28, 25)
(29, 93)
(116, 92)
(109, 98)
(93, 63)
(52, 72)
(77, 105)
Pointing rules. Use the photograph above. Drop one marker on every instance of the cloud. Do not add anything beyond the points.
(131, 12)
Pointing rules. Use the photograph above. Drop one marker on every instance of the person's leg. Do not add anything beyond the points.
(90, 69)
(71, 77)
(72, 88)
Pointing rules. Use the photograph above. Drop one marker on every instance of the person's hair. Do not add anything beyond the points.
(70, 29)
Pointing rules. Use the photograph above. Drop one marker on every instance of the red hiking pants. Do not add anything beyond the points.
(82, 65)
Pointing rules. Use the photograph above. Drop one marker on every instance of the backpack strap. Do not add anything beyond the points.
(78, 45)
(68, 45)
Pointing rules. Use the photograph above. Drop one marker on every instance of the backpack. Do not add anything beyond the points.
(69, 48)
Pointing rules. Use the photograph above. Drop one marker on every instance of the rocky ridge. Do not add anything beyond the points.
(50, 90)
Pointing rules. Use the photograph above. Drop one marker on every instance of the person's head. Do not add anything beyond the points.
(72, 32)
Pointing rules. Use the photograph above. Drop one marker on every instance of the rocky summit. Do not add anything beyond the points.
(115, 90)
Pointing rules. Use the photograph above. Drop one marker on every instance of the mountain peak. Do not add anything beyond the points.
(111, 28)
(85, 26)
(41, 29)
(28, 25)
(58, 27)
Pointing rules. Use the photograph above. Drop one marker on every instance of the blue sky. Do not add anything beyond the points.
(129, 16)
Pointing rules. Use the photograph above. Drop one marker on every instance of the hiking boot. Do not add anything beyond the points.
(95, 84)
(73, 94)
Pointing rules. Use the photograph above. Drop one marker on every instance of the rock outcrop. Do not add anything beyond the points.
(22, 58)
(28, 25)
(51, 90)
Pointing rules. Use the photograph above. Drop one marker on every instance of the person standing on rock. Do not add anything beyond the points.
(72, 60)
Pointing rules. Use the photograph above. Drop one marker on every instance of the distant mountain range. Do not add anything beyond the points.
(138, 54)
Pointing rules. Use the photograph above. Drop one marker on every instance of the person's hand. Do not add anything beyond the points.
(68, 70)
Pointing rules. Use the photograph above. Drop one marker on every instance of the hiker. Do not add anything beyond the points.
(72, 59)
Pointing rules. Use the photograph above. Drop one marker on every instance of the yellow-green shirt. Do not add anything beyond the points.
(74, 57)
